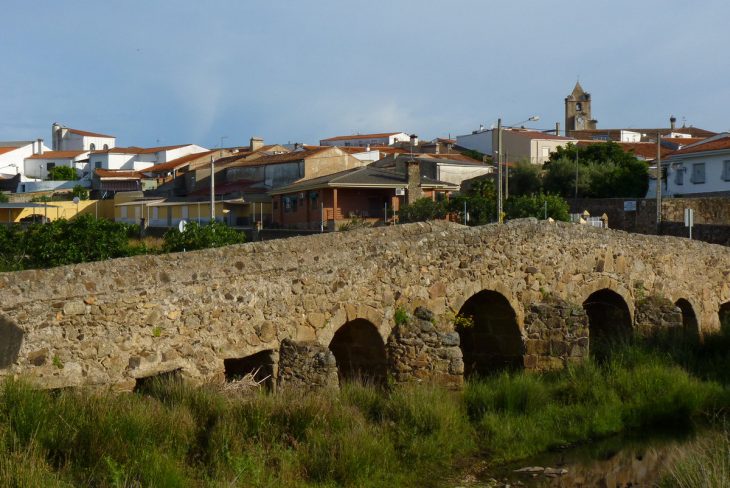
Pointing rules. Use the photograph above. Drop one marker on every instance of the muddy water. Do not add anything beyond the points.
(613, 463)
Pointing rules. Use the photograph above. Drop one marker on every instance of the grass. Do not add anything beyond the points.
(705, 463)
(171, 434)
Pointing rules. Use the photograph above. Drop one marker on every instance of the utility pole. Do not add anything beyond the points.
(658, 183)
(499, 170)
(212, 189)
(576, 177)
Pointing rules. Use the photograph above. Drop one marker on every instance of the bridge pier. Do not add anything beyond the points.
(556, 334)
(423, 350)
(306, 365)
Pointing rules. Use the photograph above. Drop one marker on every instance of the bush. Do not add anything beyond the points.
(421, 210)
(80, 192)
(195, 236)
(62, 173)
(535, 205)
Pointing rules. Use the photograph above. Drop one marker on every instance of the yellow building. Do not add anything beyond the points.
(48, 211)
(132, 208)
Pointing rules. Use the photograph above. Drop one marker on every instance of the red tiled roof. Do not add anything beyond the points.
(283, 158)
(532, 134)
(361, 136)
(88, 134)
(57, 155)
(710, 145)
(4, 150)
(176, 163)
(111, 173)
(137, 150)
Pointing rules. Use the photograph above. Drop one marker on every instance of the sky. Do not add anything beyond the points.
(159, 72)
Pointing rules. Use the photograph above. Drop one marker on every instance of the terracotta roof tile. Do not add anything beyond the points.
(176, 163)
(4, 150)
(88, 134)
(110, 173)
(57, 155)
(710, 145)
(138, 150)
(361, 136)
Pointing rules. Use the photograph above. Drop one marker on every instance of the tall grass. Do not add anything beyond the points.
(171, 434)
(704, 463)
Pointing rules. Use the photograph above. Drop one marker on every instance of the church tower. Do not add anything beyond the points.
(578, 111)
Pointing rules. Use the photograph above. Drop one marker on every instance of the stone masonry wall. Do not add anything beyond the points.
(421, 349)
(111, 322)
(306, 366)
(557, 334)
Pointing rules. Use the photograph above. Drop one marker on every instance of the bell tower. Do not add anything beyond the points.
(578, 111)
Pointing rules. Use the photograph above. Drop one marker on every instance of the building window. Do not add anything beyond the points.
(726, 170)
(97, 164)
(578, 107)
(679, 176)
(155, 213)
(545, 152)
(123, 212)
(92, 147)
(106, 146)
(698, 173)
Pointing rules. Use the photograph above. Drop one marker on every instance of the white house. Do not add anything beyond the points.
(138, 158)
(364, 140)
(517, 144)
(13, 154)
(38, 165)
(700, 169)
(67, 139)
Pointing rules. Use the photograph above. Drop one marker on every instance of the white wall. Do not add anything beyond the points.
(480, 141)
(456, 173)
(17, 157)
(714, 181)
(77, 142)
(38, 168)
(369, 141)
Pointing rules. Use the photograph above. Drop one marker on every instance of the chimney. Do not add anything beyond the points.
(256, 143)
(56, 136)
(557, 128)
(39, 150)
(672, 122)
(413, 178)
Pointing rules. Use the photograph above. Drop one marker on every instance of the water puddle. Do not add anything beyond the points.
(617, 462)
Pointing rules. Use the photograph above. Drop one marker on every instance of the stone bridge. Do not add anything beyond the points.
(432, 302)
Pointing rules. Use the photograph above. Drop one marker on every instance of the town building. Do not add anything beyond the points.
(578, 114)
(700, 169)
(38, 165)
(517, 143)
(138, 158)
(369, 193)
(364, 140)
(68, 139)
(14, 153)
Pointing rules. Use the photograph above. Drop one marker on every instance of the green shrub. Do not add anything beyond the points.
(421, 210)
(196, 236)
(62, 173)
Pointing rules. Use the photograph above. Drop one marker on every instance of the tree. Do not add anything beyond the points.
(3, 198)
(604, 170)
(525, 179)
(81, 192)
(196, 236)
(421, 210)
(62, 173)
(535, 205)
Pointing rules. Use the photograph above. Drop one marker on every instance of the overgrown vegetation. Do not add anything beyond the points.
(86, 238)
(62, 173)
(171, 434)
(196, 236)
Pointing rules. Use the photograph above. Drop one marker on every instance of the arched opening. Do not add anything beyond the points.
(259, 367)
(11, 338)
(725, 318)
(609, 321)
(690, 325)
(489, 335)
(360, 352)
(147, 385)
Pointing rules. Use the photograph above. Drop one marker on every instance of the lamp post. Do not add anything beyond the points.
(500, 158)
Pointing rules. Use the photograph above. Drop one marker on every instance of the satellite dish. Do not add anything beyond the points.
(76, 200)
(181, 225)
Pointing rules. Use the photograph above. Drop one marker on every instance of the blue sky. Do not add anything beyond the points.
(172, 72)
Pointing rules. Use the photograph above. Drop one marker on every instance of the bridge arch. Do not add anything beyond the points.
(690, 322)
(609, 320)
(490, 336)
(11, 339)
(724, 316)
(359, 351)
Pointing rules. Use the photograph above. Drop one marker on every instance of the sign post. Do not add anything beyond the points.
(689, 220)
